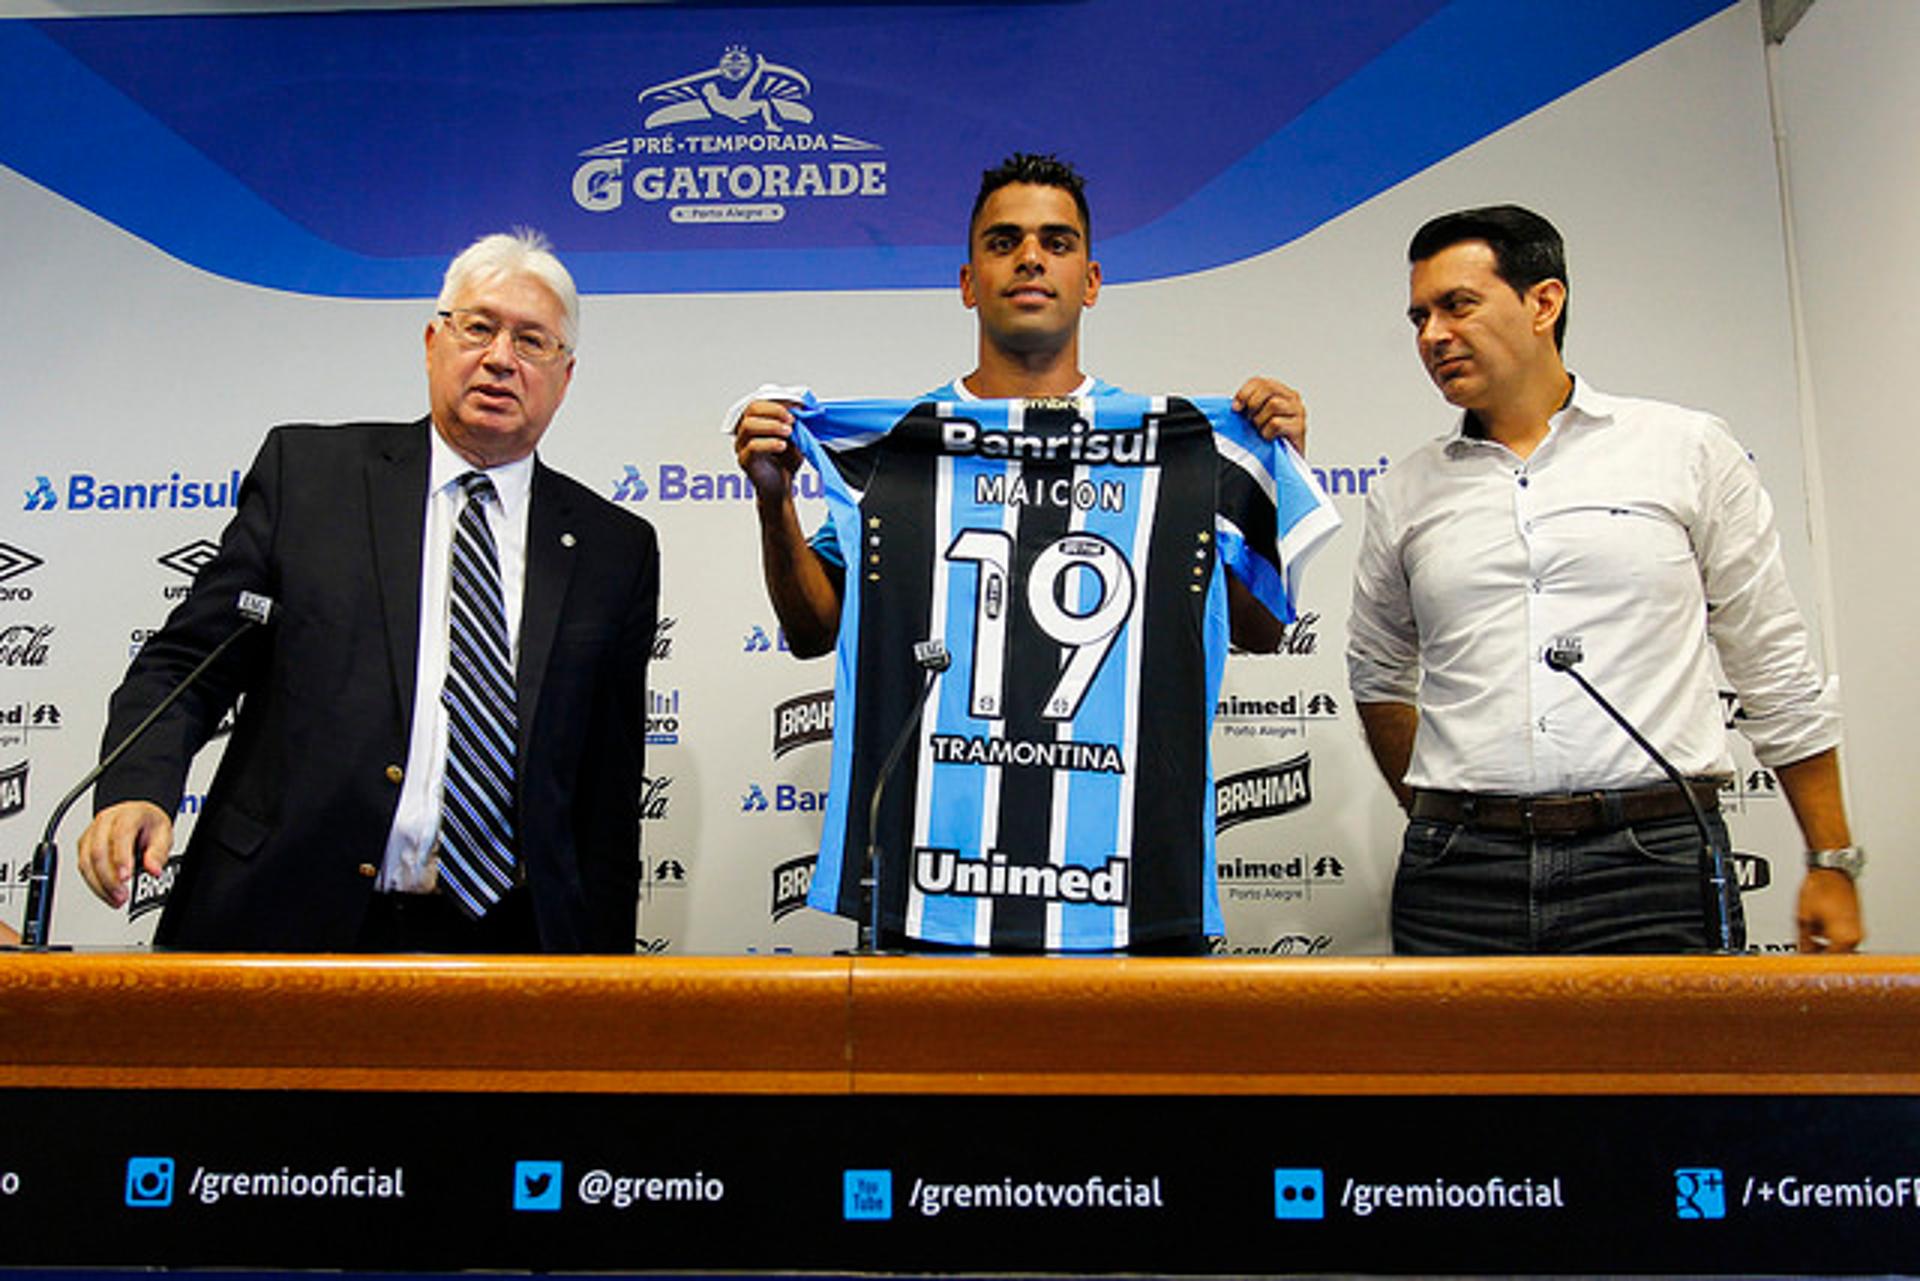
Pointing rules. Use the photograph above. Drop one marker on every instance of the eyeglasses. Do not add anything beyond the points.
(476, 331)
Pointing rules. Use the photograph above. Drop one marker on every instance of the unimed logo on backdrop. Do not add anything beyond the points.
(734, 143)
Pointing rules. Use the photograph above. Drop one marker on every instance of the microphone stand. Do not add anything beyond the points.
(1713, 860)
(933, 658)
(34, 932)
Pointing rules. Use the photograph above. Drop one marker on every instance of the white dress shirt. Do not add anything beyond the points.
(1639, 527)
(409, 866)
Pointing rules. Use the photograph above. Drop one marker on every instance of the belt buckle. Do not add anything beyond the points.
(1526, 815)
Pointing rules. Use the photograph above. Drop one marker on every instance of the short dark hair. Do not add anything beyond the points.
(1041, 171)
(1527, 249)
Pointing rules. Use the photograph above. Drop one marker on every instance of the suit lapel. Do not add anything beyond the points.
(550, 557)
(397, 504)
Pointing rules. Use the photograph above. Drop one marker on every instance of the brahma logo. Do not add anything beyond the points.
(1751, 872)
(13, 789)
(149, 891)
(1262, 793)
(792, 880)
(15, 561)
(802, 720)
(731, 143)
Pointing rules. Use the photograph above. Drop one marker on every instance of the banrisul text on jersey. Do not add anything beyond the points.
(1071, 554)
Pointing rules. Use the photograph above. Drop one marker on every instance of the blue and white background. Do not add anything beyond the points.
(215, 222)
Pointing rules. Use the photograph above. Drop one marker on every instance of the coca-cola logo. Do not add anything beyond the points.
(663, 639)
(24, 644)
(1285, 945)
(653, 796)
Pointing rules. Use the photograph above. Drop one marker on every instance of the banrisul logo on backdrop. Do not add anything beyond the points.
(85, 491)
(737, 142)
(679, 483)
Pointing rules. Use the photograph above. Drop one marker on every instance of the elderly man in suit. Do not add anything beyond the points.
(439, 738)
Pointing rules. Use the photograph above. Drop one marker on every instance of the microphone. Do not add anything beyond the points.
(931, 657)
(255, 610)
(1563, 655)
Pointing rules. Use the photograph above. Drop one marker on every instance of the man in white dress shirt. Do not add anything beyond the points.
(1636, 530)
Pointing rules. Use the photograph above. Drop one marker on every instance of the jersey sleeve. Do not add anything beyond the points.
(1272, 514)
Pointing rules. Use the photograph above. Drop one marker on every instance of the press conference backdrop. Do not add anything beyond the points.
(217, 223)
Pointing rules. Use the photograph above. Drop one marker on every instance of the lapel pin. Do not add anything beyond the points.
(566, 540)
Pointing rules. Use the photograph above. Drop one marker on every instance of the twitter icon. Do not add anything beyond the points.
(536, 1185)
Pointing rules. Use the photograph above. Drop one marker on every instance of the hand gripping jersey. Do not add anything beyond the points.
(1070, 554)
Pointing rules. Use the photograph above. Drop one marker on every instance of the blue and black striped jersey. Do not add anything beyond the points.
(1071, 554)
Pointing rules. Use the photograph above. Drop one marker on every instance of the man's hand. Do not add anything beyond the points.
(1275, 409)
(763, 444)
(118, 835)
(1829, 912)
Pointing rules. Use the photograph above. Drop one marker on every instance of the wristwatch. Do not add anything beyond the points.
(1850, 859)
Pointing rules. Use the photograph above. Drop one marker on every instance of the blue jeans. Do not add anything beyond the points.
(1461, 890)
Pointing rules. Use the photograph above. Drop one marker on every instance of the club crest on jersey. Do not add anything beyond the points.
(943, 871)
(1080, 442)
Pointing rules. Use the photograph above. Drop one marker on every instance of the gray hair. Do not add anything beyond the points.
(525, 252)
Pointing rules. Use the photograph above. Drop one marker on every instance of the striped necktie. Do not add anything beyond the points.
(477, 846)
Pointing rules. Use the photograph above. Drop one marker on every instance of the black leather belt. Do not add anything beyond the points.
(1567, 814)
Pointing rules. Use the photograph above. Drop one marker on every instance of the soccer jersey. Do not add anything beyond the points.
(1070, 553)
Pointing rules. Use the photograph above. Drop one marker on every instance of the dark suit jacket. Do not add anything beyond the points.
(329, 523)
